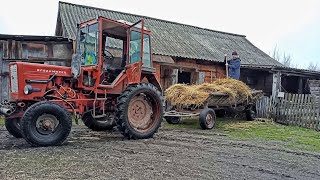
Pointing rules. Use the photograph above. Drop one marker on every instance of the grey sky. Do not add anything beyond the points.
(292, 25)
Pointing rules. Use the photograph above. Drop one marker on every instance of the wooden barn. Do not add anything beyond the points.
(183, 53)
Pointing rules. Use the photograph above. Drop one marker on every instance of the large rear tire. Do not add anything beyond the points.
(13, 127)
(46, 124)
(139, 111)
(100, 124)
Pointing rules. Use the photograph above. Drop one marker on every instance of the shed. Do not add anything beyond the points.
(34, 49)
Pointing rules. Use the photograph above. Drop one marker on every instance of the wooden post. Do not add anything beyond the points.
(276, 84)
(300, 89)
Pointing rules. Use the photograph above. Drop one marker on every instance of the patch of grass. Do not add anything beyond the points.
(188, 123)
(1, 120)
(289, 136)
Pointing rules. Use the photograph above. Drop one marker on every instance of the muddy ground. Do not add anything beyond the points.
(171, 154)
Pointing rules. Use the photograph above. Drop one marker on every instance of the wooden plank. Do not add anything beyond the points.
(288, 109)
(298, 109)
(283, 110)
(301, 110)
(307, 118)
(313, 114)
(294, 108)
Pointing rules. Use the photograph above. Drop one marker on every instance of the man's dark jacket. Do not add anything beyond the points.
(234, 68)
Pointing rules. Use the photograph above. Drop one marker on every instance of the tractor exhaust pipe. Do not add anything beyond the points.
(5, 111)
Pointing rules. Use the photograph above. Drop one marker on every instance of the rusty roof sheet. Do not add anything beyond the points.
(171, 38)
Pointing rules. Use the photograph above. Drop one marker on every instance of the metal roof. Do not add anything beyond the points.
(171, 38)
(32, 38)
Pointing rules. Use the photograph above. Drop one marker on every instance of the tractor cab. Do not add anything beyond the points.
(107, 49)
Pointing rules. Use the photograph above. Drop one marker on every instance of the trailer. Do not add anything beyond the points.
(206, 112)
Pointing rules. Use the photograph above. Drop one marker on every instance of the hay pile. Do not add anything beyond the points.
(186, 95)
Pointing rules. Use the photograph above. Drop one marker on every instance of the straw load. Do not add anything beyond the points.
(186, 95)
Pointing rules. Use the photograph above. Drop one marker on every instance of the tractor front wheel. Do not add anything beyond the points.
(99, 124)
(139, 111)
(46, 124)
(13, 127)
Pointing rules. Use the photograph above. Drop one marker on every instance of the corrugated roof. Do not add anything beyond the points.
(32, 38)
(171, 38)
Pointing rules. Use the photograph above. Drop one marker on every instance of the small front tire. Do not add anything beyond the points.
(46, 124)
(13, 127)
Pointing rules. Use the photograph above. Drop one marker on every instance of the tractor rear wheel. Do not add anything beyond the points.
(99, 124)
(13, 127)
(46, 124)
(139, 111)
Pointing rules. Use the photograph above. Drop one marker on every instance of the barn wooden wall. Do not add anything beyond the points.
(46, 52)
(257, 79)
(200, 71)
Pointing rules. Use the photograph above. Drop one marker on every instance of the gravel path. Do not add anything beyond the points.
(172, 154)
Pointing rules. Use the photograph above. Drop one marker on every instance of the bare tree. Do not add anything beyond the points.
(314, 66)
(284, 59)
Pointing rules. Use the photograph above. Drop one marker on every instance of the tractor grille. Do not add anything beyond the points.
(14, 78)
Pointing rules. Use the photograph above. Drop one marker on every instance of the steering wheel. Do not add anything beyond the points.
(109, 57)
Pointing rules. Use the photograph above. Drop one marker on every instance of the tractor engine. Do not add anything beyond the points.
(30, 82)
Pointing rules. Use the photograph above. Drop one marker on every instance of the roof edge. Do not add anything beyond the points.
(173, 22)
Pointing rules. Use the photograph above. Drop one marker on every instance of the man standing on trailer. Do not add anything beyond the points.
(234, 66)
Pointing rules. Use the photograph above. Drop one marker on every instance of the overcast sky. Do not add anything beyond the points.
(291, 25)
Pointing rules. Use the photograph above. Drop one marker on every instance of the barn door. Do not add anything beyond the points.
(201, 77)
(174, 76)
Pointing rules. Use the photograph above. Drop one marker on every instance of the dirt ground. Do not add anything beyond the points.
(171, 154)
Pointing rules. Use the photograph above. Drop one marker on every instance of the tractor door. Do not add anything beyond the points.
(139, 52)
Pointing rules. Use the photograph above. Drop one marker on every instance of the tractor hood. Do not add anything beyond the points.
(43, 70)
(34, 75)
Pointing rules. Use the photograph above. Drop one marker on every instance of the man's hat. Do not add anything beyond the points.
(234, 53)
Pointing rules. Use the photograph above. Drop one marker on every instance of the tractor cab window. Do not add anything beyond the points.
(88, 42)
(135, 47)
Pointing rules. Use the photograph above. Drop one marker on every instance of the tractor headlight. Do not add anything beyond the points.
(27, 89)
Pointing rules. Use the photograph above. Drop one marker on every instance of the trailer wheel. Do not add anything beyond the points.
(139, 111)
(172, 119)
(13, 127)
(46, 124)
(99, 124)
(207, 118)
(250, 114)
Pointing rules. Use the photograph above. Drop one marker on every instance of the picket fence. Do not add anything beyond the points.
(293, 109)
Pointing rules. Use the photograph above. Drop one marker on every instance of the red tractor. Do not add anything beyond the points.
(104, 90)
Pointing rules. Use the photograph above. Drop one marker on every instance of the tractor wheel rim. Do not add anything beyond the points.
(209, 120)
(140, 113)
(46, 124)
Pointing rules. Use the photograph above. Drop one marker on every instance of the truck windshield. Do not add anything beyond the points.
(88, 45)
